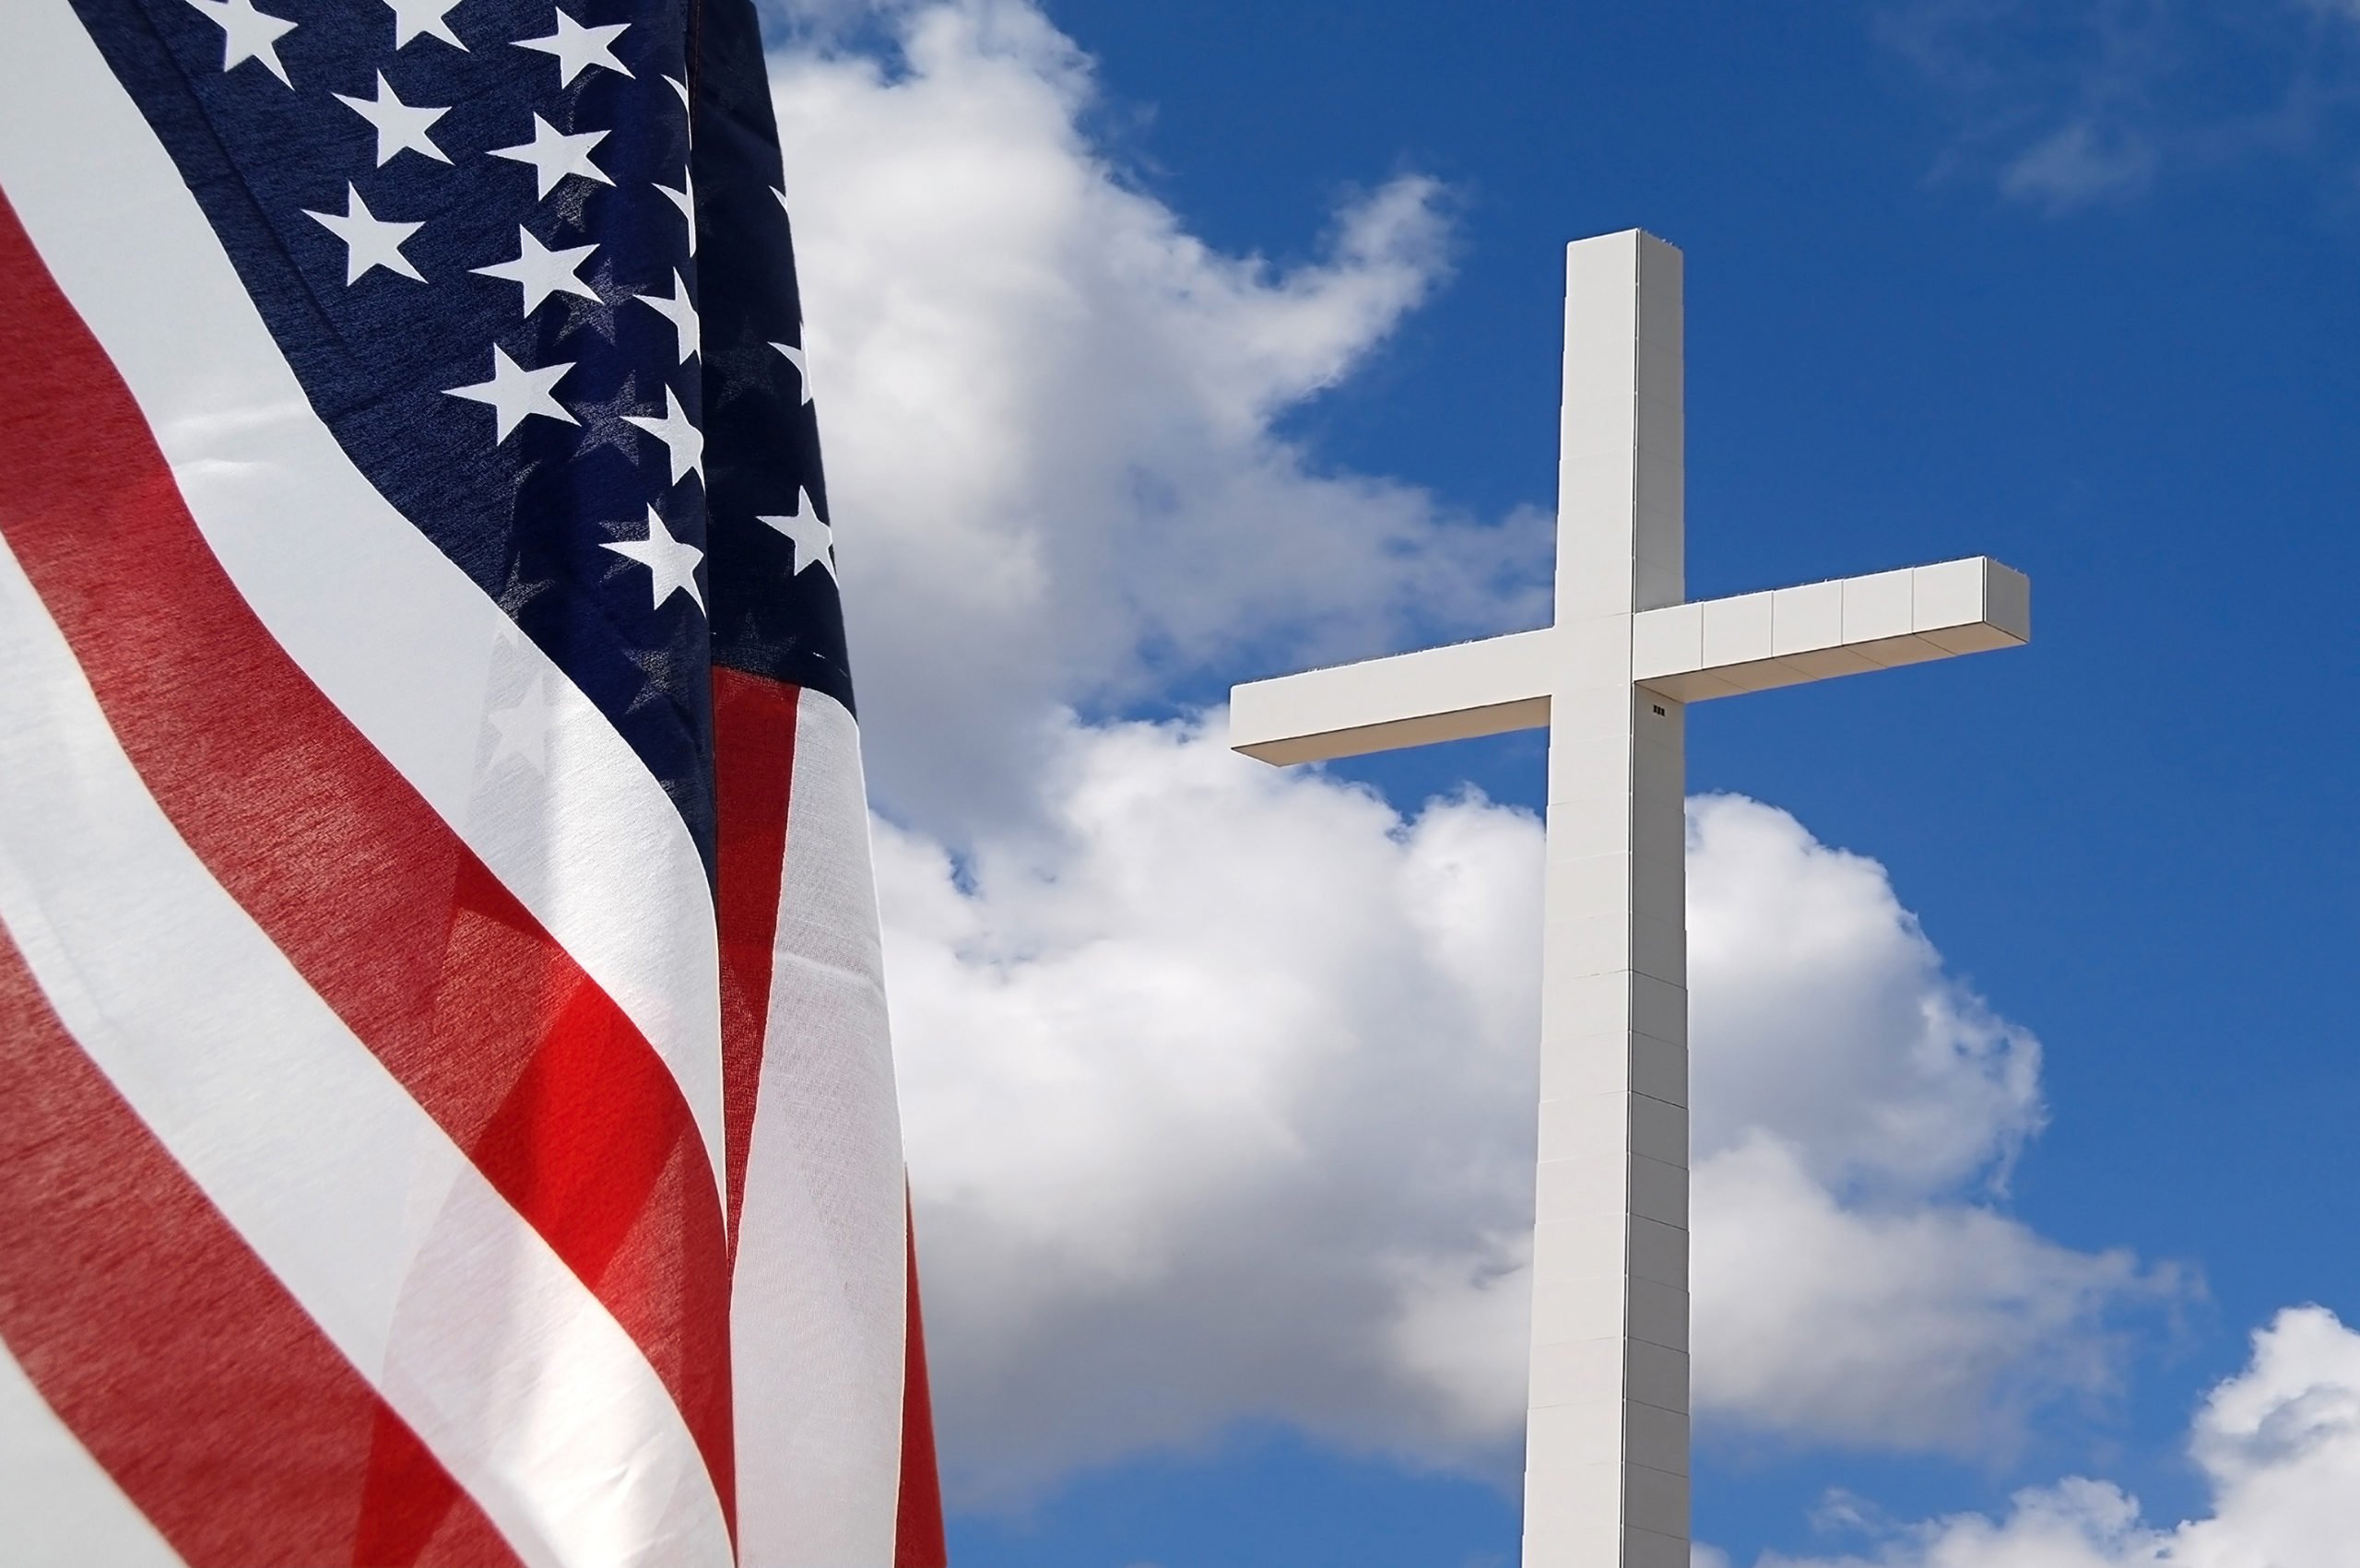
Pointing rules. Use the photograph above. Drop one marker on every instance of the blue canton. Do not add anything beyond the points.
(532, 265)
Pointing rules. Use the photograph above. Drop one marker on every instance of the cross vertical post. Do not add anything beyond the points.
(1606, 1433)
(1606, 1421)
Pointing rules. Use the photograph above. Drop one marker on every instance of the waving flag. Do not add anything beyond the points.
(446, 1113)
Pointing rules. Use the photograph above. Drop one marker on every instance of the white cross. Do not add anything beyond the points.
(1606, 1431)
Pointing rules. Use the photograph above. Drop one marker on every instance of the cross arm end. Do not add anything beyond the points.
(1756, 641)
(1452, 693)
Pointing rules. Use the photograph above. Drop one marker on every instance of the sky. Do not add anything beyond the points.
(1160, 348)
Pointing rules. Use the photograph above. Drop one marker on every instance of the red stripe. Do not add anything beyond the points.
(918, 1540)
(524, 1062)
(181, 1364)
(753, 744)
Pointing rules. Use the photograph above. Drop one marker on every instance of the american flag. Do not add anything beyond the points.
(446, 1112)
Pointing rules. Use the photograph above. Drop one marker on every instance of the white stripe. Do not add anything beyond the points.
(512, 1374)
(398, 637)
(818, 1305)
(58, 1506)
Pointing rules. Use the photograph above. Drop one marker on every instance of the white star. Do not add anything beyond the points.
(578, 48)
(524, 729)
(369, 240)
(682, 88)
(780, 193)
(248, 34)
(400, 127)
(542, 272)
(671, 565)
(682, 441)
(813, 542)
(680, 310)
(516, 393)
(412, 17)
(554, 155)
(802, 371)
(685, 198)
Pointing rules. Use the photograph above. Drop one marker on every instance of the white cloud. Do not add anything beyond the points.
(2075, 105)
(1925, 1325)
(2279, 1444)
(1202, 1084)
(2079, 163)
(1851, 1101)
(1048, 411)
(1831, 1026)
(1219, 1089)
(1218, 1080)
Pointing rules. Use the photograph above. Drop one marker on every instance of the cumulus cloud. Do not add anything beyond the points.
(1831, 1027)
(1218, 1080)
(1851, 1099)
(1048, 412)
(1936, 1327)
(2279, 1444)
(1220, 1085)
(1187, 1134)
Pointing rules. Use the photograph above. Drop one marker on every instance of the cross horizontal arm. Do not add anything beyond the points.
(1690, 652)
(1452, 693)
(1719, 647)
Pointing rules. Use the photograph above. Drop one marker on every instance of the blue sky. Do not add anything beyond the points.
(2077, 285)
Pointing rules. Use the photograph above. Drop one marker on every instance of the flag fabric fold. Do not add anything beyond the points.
(446, 1106)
